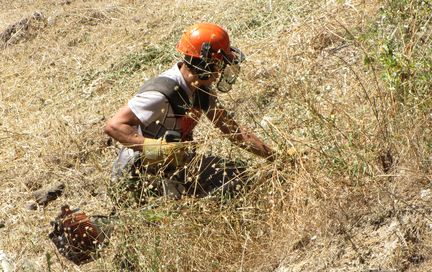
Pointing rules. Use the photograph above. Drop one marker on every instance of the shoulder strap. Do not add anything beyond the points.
(176, 96)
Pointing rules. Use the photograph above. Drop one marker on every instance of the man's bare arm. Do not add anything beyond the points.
(122, 127)
(239, 135)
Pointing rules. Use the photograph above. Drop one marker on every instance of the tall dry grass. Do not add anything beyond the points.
(347, 83)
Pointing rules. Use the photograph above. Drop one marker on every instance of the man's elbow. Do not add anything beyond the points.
(110, 128)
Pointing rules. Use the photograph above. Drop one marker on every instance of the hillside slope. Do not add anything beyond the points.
(347, 83)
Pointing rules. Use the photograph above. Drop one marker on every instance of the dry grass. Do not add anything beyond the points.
(344, 81)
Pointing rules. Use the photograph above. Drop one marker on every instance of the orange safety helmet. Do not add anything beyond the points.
(207, 50)
(206, 41)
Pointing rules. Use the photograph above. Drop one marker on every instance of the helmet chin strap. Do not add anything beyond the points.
(204, 76)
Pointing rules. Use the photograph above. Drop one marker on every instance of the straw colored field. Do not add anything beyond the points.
(345, 82)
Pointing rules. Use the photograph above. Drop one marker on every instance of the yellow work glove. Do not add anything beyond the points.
(160, 151)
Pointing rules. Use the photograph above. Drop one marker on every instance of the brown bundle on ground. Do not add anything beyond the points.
(77, 236)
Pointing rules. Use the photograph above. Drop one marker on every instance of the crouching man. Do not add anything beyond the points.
(156, 125)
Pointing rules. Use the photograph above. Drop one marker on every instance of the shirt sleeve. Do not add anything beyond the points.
(148, 107)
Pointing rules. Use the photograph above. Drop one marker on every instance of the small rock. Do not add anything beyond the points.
(51, 21)
(44, 196)
(2, 225)
(266, 122)
(4, 262)
(32, 206)
(425, 194)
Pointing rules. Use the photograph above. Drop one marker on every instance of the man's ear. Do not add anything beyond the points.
(189, 72)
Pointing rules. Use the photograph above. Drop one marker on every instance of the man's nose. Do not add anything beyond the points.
(215, 76)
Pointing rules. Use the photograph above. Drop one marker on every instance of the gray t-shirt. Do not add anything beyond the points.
(153, 109)
(156, 115)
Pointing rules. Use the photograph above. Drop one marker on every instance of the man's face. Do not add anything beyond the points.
(213, 76)
(208, 82)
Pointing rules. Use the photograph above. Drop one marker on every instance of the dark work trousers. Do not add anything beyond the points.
(202, 176)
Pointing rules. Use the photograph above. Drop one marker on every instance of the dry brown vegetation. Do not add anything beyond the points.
(345, 82)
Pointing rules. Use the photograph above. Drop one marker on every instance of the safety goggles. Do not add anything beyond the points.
(231, 70)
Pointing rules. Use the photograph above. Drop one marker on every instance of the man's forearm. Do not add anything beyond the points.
(238, 135)
(251, 143)
(126, 135)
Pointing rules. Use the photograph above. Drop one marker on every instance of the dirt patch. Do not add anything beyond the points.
(24, 29)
